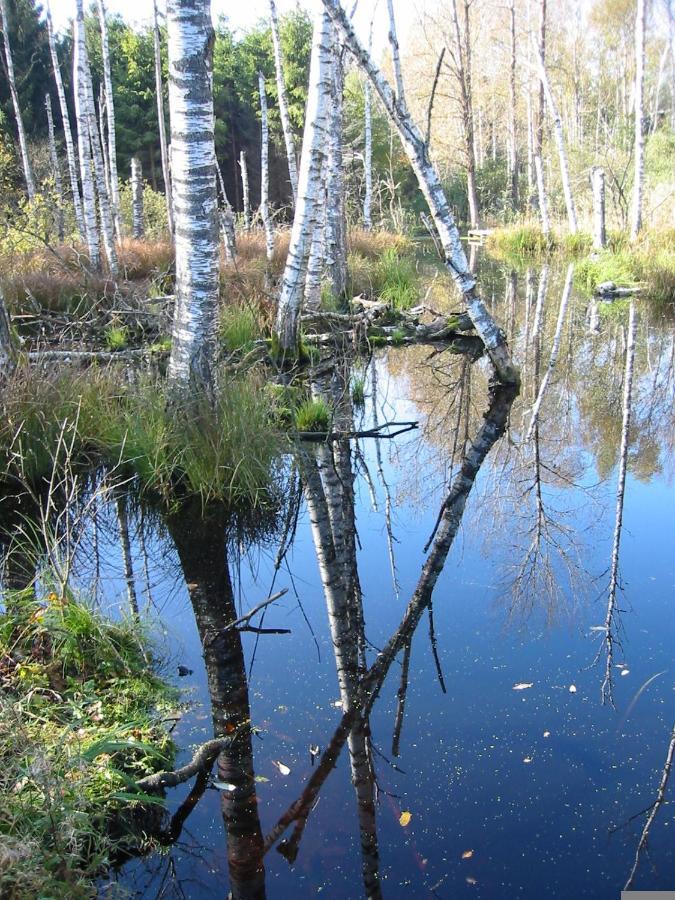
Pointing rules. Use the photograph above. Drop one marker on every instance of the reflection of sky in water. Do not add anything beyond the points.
(475, 770)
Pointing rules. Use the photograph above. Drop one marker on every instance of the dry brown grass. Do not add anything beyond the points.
(373, 244)
(141, 259)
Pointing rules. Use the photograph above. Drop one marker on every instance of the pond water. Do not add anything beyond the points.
(487, 764)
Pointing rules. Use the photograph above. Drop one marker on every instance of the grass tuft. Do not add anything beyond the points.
(313, 415)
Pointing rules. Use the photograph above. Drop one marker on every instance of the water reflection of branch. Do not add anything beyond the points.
(401, 698)
(385, 487)
(488, 434)
(610, 630)
(653, 809)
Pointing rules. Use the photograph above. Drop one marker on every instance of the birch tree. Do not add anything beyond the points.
(195, 207)
(227, 224)
(560, 144)
(159, 90)
(636, 217)
(309, 181)
(264, 171)
(245, 192)
(541, 194)
(137, 229)
(110, 120)
(513, 153)
(599, 231)
(67, 133)
(283, 103)
(335, 248)
(56, 169)
(23, 144)
(432, 189)
(367, 158)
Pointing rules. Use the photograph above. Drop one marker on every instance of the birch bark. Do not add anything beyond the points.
(513, 155)
(84, 144)
(599, 231)
(283, 104)
(56, 170)
(193, 169)
(159, 90)
(243, 168)
(137, 228)
(541, 193)
(430, 184)
(314, 277)
(264, 171)
(367, 158)
(227, 224)
(23, 145)
(67, 133)
(313, 143)
(636, 217)
(462, 71)
(110, 120)
(336, 221)
(560, 144)
(395, 55)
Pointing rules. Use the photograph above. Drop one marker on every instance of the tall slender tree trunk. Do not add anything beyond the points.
(243, 169)
(314, 142)
(56, 170)
(102, 140)
(159, 90)
(336, 220)
(636, 216)
(110, 120)
(137, 228)
(395, 55)
(314, 277)
(560, 143)
(23, 144)
(541, 48)
(463, 73)
(227, 224)
(195, 207)
(432, 189)
(513, 155)
(541, 194)
(84, 144)
(599, 232)
(283, 104)
(265, 171)
(67, 132)
(367, 158)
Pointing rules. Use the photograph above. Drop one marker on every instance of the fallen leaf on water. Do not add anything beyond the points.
(223, 786)
(337, 704)
(281, 767)
(405, 819)
(573, 689)
(314, 749)
(470, 880)
(547, 734)
(523, 685)
(527, 759)
(261, 779)
(467, 854)
(625, 671)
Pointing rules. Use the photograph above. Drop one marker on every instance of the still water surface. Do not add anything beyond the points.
(483, 789)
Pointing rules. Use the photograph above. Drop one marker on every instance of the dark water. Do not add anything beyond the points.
(510, 792)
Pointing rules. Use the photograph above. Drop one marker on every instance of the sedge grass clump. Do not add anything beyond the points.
(395, 280)
(358, 391)
(81, 712)
(313, 415)
(240, 327)
(520, 240)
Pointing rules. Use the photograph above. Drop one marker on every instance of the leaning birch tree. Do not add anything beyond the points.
(195, 202)
(430, 184)
(309, 182)
(67, 133)
(110, 120)
(283, 103)
(159, 90)
(23, 144)
(636, 219)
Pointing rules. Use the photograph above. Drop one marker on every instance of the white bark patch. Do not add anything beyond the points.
(159, 90)
(264, 171)
(110, 117)
(283, 103)
(636, 220)
(84, 144)
(193, 173)
(23, 145)
(137, 198)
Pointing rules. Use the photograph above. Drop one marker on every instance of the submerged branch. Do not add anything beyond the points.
(203, 759)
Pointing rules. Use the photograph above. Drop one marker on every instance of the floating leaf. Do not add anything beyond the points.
(573, 689)
(523, 685)
(224, 786)
(281, 767)
(405, 819)
(547, 734)
(467, 854)
(314, 749)
(625, 671)
(470, 880)
(261, 779)
(528, 759)
(337, 704)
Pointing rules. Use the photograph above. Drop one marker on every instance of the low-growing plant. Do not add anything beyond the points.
(313, 415)
(395, 280)
(239, 327)
(358, 391)
(116, 337)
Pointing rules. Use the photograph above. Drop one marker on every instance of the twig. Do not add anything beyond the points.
(203, 758)
(430, 108)
(249, 615)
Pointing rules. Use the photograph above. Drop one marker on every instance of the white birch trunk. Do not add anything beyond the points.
(657, 88)
(367, 157)
(102, 141)
(283, 104)
(395, 56)
(159, 90)
(431, 187)
(555, 349)
(23, 145)
(560, 144)
(89, 109)
(309, 181)
(541, 193)
(195, 207)
(513, 154)
(227, 224)
(245, 192)
(84, 145)
(264, 171)
(314, 278)
(56, 171)
(110, 120)
(67, 133)
(137, 228)
(636, 217)
(599, 232)
(336, 222)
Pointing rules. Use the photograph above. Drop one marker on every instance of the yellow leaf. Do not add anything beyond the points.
(405, 819)
(467, 854)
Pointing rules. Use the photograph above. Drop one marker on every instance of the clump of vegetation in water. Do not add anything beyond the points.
(358, 391)
(395, 280)
(81, 709)
(313, 415)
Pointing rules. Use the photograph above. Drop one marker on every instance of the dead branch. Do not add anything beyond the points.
(203, 758)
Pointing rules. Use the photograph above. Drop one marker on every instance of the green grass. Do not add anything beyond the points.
(313, 415)
(80, 718)
(240, 328)
(520, 240)
(116, 337)
(395, 280)
(358, 391)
